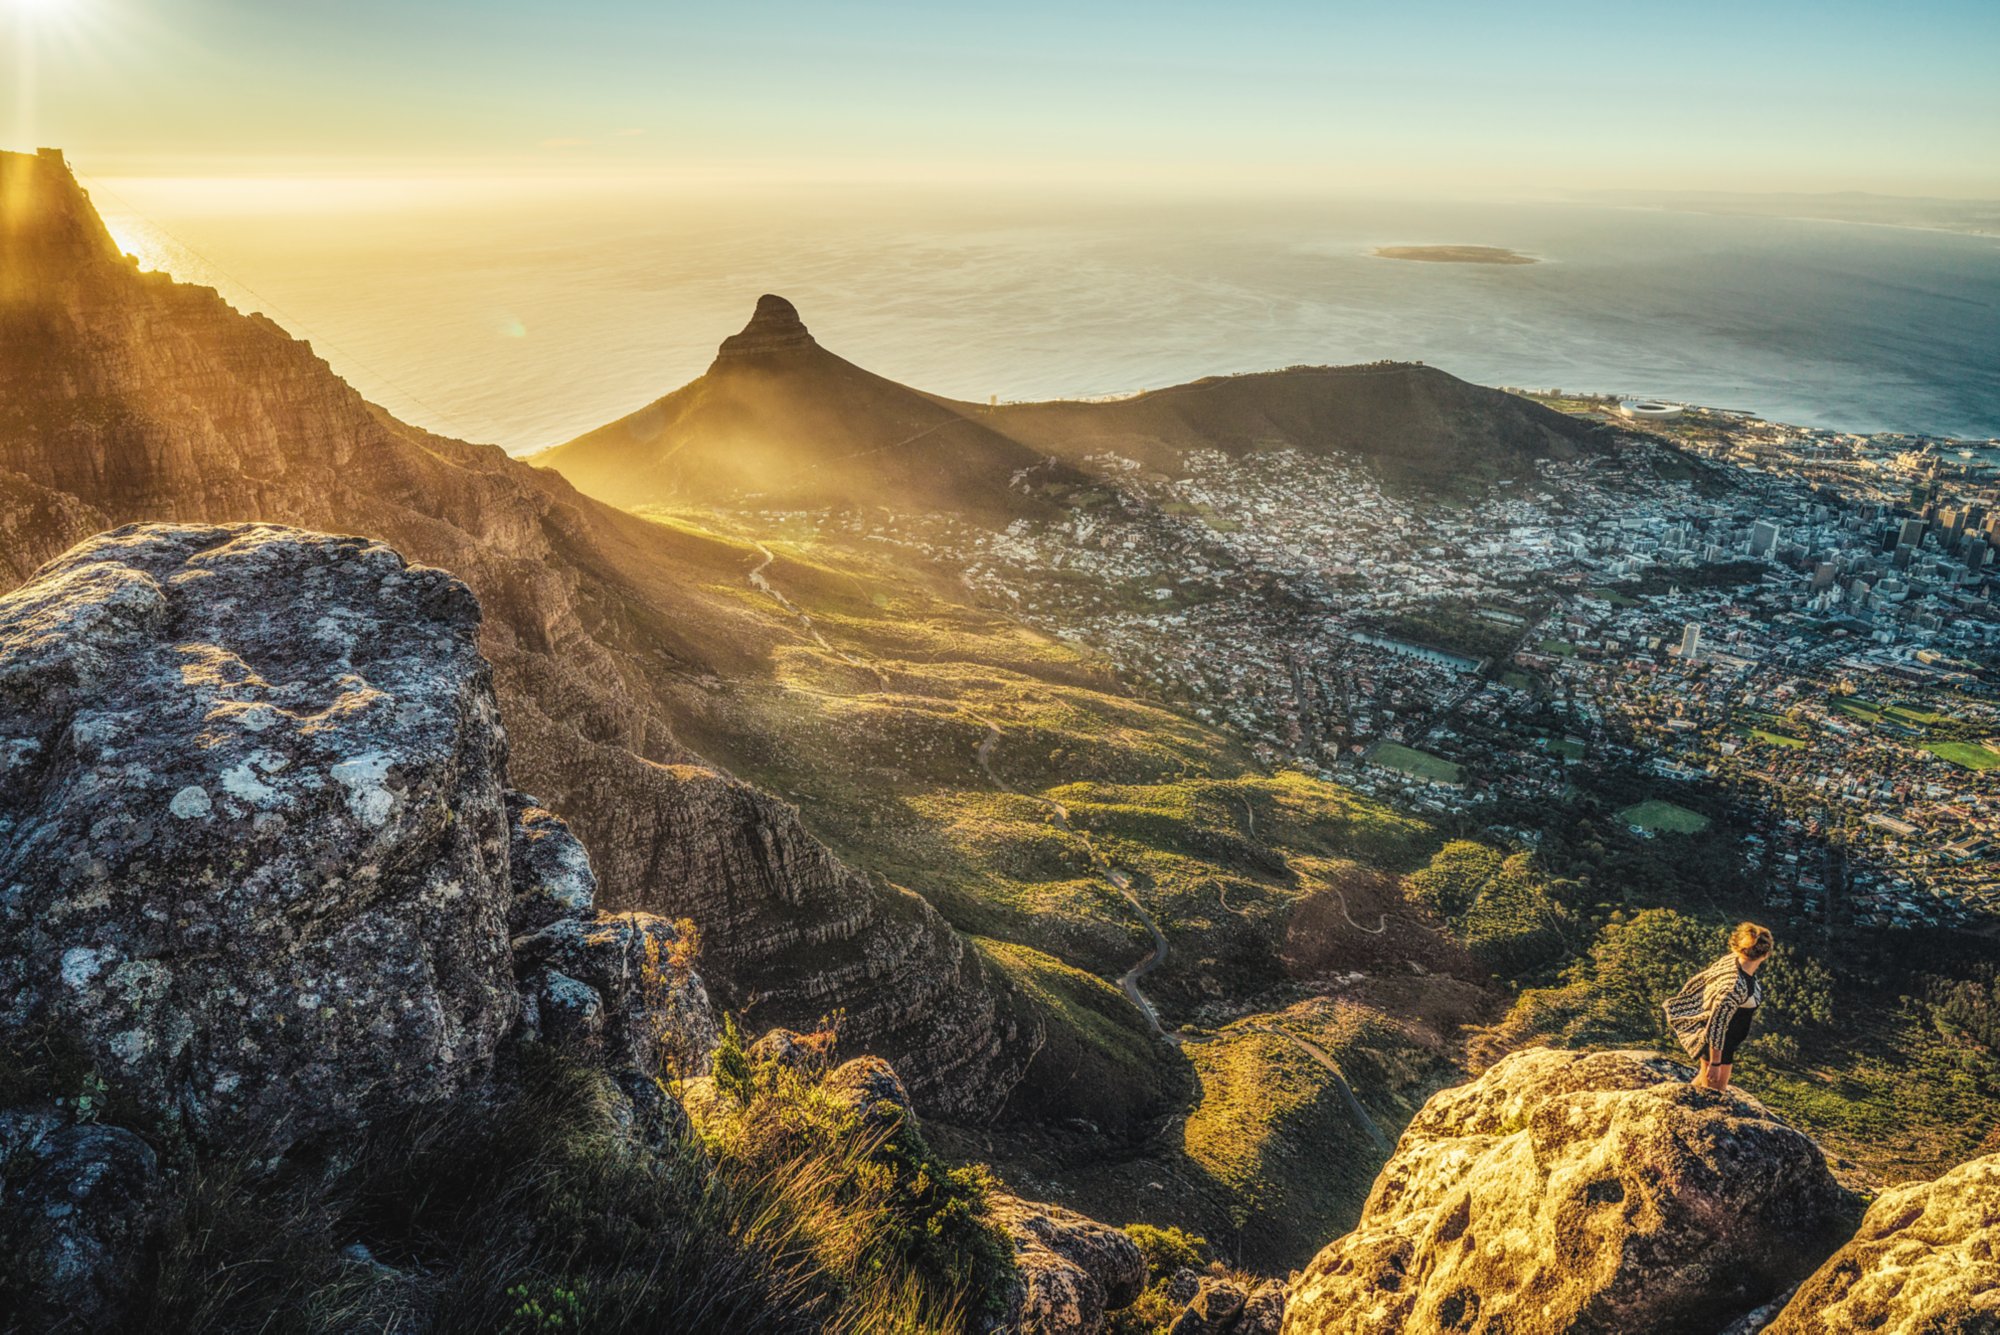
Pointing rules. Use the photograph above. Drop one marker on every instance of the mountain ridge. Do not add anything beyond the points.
(778, 420)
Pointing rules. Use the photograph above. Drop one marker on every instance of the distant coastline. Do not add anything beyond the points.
(1454, 254)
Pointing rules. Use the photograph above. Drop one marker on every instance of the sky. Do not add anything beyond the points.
(1430, 96)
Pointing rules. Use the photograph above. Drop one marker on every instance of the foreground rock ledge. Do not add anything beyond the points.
(1926, 1262)
(1571, 1192)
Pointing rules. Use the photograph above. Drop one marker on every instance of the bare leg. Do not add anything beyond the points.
(1719, 1077)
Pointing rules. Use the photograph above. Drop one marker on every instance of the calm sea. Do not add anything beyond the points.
(525, 315)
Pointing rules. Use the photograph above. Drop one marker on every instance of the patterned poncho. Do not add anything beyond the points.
(1699, 1014)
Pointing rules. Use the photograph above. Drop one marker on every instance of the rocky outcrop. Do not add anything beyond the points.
(260, 879)
(1926, 1261)
(250, 824)
(774, 327)
(125, 396)
(1225, 1305)
(1569, 1191)
(871, 1087)
(1070, 1270)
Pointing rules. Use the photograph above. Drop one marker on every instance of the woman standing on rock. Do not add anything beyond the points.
(1711, 1015)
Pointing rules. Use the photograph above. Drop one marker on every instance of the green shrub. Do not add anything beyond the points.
(1168, 1249)
(732, 1065)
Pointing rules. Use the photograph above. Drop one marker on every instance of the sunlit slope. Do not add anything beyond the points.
(949, 747)
(778, 420)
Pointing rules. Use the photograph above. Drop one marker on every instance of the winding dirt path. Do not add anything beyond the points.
(1118, 880)
(1381, 921)
(1318, 1054)
(760, 582)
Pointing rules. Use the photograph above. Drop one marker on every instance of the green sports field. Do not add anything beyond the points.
(1659, 815)
(1422, 764)
(1966, 755)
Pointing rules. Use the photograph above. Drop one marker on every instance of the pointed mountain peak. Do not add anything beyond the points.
(775, 327)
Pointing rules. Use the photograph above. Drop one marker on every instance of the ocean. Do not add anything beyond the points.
(526, 313)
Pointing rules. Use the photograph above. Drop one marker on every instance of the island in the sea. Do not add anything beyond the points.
(1454, 254)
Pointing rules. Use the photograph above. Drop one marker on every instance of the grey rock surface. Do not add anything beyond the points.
(253, 844)
(78, 1207)
(1926, 1261)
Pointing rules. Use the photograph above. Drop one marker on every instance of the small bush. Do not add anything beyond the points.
(1168, 1249)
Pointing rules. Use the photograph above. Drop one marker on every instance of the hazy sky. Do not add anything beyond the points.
(1430, 95)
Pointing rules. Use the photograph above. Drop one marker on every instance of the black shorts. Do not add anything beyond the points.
(1739, 1029)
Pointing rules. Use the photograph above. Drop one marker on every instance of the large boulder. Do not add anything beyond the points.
(1069, 1269)
(1926, 1261)
(1574, 1192)
(614, 985)
(253, 838)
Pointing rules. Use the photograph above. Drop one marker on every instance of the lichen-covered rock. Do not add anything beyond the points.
(1926, 1261)
(1574, 1192)
(77, 1210)
(1069, 1269)
(1217, 1302)
(253, 847)
(611, 982)
(1263, 1311)
(548, 867)
(789, 1050)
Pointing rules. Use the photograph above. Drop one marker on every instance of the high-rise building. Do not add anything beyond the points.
(1691, 640)
(1822, 574)
(1763, 536)
(1912, 534)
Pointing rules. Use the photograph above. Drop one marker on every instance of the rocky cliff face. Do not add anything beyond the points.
(775, 327)
(126, 396)
(262, 880)
(1567, 1191)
